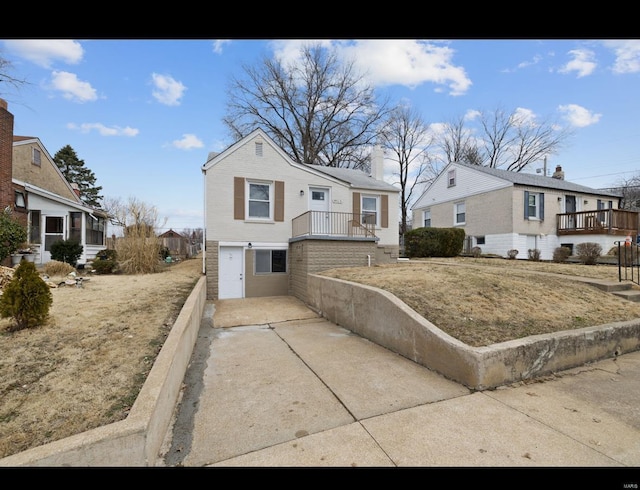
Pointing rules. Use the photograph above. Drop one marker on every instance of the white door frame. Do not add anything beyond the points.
(231, 272)
(320, 224)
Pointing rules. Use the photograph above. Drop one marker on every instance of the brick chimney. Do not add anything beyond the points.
(6, 156)
(558, 174)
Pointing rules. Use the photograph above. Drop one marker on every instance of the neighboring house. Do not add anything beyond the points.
(502, 210)
(269, 220)
(55, 210)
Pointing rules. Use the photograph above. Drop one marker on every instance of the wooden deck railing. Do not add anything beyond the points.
(315, 223)
(605, 221)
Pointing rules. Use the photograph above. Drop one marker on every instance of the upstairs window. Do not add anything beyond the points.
(36, 157)
(451, 178)
(533, 205)
(259, 200)
(370, 210)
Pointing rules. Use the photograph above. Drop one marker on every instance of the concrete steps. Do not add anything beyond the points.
(625, 290)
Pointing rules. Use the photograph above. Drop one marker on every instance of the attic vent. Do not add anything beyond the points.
(36, 157)
(258, 148)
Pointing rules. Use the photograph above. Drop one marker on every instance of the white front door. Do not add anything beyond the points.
(230, 273)
(320, 217)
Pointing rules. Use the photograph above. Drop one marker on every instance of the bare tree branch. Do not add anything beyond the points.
(319, 110)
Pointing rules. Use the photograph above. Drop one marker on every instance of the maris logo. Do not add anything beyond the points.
(630, 485)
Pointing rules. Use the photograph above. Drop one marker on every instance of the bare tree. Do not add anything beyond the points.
(630, 190)
(508, 140)
(132, 214)
(407, 137)
(456, 143)
(6, 80)
(319, 110)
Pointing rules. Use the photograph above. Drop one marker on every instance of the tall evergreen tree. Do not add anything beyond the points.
(75, 172)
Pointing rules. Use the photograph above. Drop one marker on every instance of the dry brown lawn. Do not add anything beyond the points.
(483, 301)
(85, 367)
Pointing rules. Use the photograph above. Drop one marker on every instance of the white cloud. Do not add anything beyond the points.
(582, 63)
(44, 52)
(579, 116)
(167, 90)
(218, 44)
(188, 142)
(627, 55)
(104, 130)
(72, 88)
(393, 61)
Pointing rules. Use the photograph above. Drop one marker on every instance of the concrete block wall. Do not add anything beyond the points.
(307, 256)
(211, 268)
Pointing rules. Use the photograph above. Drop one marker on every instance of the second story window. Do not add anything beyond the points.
(36, 157)
(533, 205)
(451, 178)
(259, 200)
(370, 210)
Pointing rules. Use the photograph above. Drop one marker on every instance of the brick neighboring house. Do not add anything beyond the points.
(269, 220)
(42, 199)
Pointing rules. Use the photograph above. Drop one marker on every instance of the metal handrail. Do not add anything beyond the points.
(328, 223)
(628, 261)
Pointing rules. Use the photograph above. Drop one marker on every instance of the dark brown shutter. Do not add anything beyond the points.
(356, 208)
(384, 218)
(279, 204)
(238, 198)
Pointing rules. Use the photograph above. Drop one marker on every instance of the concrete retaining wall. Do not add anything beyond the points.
(137, 440)
(382, 318)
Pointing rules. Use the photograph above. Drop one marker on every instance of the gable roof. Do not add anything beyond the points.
(352, 177)
(532, 180)
(355, 178)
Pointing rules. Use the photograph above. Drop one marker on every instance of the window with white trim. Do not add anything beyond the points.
(270, 261)
(460, 213)
(426, 218)
(20, 201)
(533, 205)
(370, 206)
(259, 202)
(451, 178)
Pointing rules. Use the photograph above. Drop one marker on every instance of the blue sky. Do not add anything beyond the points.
(144, 114)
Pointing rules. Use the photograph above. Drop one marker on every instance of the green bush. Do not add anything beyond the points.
(68, 251)
(561, 254)
(589, 252)
(12, 234)
(26, 298)
(105, 266)
(434, 242)
(107, 254)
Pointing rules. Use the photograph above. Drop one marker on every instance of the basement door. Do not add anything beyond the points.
(230, 273)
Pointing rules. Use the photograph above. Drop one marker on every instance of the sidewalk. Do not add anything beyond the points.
(271, 384)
